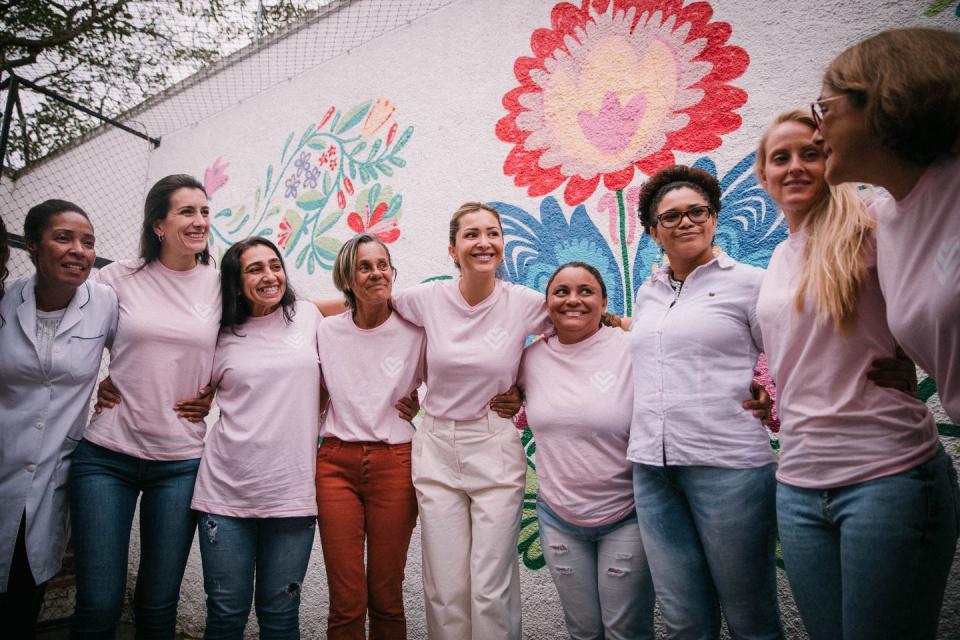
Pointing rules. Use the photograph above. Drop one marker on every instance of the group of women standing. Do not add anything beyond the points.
(657, 481)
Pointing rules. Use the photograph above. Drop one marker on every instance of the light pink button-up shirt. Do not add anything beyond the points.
(693, 360)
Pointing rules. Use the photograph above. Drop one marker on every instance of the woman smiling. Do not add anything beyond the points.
(254, 496)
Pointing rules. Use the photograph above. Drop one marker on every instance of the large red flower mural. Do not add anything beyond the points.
(615, 86)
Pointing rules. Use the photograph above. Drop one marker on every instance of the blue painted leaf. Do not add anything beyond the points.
(353, 170)
(312, 200)
(306, 135)
(385, 168)
(354, 116)
(265, 232)
(394, 207)
(402, 140)
(223, 213)
(397, 162)
(286, 145)
(535, 248)
(373, 150)
(269, 177)
(373, 197)
(326, 183)
(750, 226)
(357, 149)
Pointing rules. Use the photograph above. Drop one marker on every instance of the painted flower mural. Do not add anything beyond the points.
(336, 169)
(617, 86)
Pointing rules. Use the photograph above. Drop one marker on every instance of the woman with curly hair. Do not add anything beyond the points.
(703, 472)
(889, 113)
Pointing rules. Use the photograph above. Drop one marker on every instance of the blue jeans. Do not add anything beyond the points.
(601, 576)
(104, 487)
(871, 560)
(710, 535)
(233, 550)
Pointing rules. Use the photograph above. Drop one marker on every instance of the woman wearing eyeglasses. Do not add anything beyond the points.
(890, 110)
(703, 468)
(867, 500)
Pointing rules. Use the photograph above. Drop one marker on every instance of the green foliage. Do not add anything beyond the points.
(110, 55)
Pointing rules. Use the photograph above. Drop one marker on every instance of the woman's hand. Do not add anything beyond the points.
(195, 409)
(508, 403)
(760, 404)
(108, 396)
(408, 406)
(898, 372)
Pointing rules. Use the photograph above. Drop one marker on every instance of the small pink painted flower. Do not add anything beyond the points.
(374, 224)
(286, 232)
(214, 177)
(610, 206)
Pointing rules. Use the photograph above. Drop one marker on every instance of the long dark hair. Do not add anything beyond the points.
(236, 309)
(156, 206)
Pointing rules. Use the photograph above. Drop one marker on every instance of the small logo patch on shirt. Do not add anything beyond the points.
(947, 260)
(495, 337)
(203, 311)
(602, 380)
(391, 366)
(294, 340)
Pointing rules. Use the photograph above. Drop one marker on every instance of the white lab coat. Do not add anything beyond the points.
(43, 415)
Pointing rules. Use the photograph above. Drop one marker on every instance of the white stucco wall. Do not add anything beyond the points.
(446, 75)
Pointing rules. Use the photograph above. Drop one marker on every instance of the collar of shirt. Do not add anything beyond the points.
(722, 261)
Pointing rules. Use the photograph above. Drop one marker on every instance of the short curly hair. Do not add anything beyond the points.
(675, 177)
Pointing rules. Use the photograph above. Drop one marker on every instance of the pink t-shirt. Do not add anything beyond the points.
(837, 427)
(163, 352)
(366, 371)
(260, 456)
(579, 406)
(473, 352)
(918, 259)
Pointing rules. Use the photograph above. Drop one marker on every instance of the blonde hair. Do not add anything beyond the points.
(834, 264)
(464, 209)
(907, 81)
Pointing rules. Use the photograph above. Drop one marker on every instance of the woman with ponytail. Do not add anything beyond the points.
(866, 498)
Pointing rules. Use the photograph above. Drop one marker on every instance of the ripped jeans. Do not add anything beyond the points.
(602, 577)
(232, 549)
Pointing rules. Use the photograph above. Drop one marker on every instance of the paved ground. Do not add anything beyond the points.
(61, 631)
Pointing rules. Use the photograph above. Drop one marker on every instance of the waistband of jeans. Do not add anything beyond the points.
(490, 422)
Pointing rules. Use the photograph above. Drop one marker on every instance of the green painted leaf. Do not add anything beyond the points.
(357, 149)
(936, 7)
(237, 228)
(224, 213)
(354, 116)
(432, 278)
(301, 256)
(324, 225)
(269, 177)
(286, 145)
(263, 233)
(275, 210)
(310, 260)
(353, 170)
(294, 219)
(326, 183)
(373, 197)
(256, 195)
(384, 168)
(333, 123)
(306, 135)
(373, 150)
(318, 143)
(397, 162)
(394, 207)
(402, 140)
(364, 174)
(326, 247)
(312, 200)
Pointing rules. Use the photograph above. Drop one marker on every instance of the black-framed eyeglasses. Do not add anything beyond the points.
(816, 109)
(671, 217)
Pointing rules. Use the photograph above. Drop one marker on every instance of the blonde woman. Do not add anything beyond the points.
(468, 463)
(866, 498)
(889, 113)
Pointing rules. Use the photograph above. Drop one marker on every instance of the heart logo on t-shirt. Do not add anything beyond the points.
(602, 380)
(202, 311)
(391, 366)
(294, 340)
(947, 260)
(495, 337)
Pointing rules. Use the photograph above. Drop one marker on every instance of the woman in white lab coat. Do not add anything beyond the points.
(55, 325)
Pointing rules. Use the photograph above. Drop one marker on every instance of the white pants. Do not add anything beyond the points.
(469, 477)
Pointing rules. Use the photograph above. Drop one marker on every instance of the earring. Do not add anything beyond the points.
(160, 238)
(659, 252)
